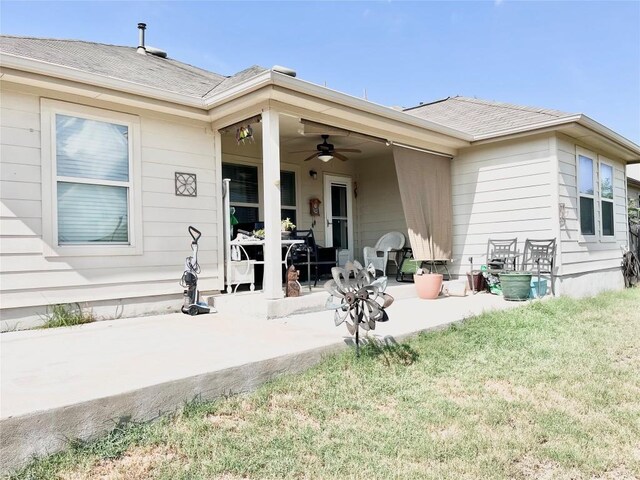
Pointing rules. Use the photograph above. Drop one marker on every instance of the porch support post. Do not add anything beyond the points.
(272, 282)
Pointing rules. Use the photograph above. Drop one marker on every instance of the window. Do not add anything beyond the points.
(288, 196)
(586, 195)
(93, 181)
(90, 170)
(606, 199)
(243, 191)
(244, 194)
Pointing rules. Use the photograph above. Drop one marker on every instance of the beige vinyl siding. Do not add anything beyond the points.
(379, 203)
(168, 144)
(500, 191)
(579, 256)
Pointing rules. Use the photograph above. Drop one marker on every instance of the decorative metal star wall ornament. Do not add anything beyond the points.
(359, 302)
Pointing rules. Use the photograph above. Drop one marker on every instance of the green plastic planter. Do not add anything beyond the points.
(516, 286)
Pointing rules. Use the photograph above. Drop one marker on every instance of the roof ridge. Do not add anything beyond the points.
(423, 104)
(65, 40)
(510, 106)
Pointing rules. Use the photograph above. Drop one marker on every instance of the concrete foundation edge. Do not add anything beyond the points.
(44, 433)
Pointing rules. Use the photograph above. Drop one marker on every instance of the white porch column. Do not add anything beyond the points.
(272, 282)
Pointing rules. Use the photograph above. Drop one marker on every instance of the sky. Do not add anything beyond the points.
(578, 57)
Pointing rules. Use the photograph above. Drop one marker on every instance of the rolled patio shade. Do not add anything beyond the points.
(425, 189)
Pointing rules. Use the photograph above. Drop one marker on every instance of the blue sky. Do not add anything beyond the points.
(572, 56)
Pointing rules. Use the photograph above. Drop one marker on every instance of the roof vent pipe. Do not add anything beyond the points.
(141, 28)
(284, 70)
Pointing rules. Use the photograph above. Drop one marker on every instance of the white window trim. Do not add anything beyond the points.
(594, 160)
(606, 238)
(48, 110)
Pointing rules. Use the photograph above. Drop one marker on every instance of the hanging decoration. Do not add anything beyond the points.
(244, 134)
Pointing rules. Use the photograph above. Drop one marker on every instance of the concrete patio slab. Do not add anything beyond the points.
(80, 382)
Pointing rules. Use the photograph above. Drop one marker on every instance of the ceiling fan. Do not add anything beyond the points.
(325, 151)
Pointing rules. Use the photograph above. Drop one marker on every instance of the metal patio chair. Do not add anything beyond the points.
(502, 254)
(539, 257)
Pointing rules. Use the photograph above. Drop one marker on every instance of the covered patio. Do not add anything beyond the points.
(274, 160)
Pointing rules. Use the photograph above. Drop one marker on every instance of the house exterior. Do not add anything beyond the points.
(633, 183)
(109, 153)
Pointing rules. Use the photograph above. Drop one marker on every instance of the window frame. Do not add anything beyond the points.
(605, 161)
(50, 179)
(259, 186)
(581, 152)
(284, 167)
(295, 186)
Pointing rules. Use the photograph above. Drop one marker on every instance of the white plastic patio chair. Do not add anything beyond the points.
(386, 249)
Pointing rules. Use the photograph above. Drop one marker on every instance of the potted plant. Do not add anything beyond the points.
(287, 226)
(516, 286)
(428, 285)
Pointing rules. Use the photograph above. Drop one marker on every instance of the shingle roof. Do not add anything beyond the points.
(122, 63)
(478, 117)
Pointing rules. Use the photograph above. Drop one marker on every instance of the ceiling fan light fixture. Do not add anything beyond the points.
(325, 157)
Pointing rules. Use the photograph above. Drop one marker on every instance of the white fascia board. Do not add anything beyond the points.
(597, 127)
(579, 119)
(68, 73)
(527, 128)
(243, 88)
(314, 90)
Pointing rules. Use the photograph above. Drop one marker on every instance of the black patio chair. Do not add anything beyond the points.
(311, 255)
(502, 255)
(540, 257)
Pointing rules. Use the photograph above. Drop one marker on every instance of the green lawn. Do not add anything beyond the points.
(550, 390)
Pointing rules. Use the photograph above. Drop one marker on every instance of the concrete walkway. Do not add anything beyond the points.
(80, 382)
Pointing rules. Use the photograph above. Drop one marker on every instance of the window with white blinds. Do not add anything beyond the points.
(93, 181)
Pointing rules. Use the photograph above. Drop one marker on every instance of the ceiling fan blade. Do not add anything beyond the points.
(341, 157)
(352, 150)
(310, 157)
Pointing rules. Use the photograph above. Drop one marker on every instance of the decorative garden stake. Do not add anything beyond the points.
(359, 302)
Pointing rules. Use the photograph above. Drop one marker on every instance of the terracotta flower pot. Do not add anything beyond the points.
(428, 285)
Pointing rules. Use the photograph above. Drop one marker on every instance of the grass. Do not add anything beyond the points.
(65, 316)
(550, 390)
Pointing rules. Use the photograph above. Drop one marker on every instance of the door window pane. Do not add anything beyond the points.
(91, 149)
(607, 218)
(338, 200)
(92, 213)
(606, 181)
(340, 235)
(587, 223)
(585, 175)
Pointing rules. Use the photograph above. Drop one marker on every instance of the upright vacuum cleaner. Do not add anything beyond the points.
(189, 281)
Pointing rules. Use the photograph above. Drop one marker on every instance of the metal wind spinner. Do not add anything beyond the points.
(359, 302)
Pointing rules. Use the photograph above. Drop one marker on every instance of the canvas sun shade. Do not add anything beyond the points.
(425, 189)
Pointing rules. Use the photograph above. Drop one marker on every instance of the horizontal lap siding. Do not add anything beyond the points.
(579, 256)
(168, 144)
(500, 191)
(379, 204)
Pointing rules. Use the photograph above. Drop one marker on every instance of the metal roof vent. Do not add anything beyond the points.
(144, 49)
(284, 70)
(141, 28)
